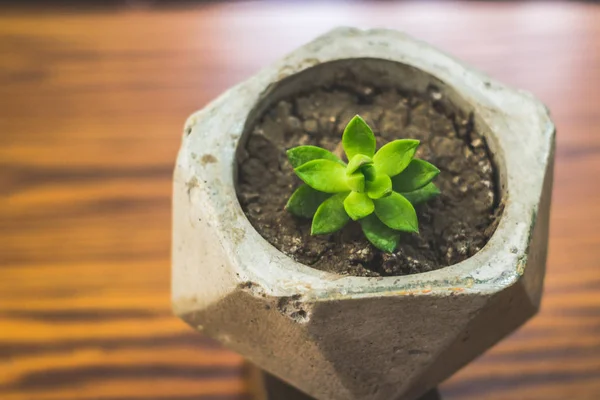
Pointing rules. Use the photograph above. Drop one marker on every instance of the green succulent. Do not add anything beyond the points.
(377, 189)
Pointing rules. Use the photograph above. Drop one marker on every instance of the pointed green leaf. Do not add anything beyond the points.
(358, 205)
(305, 201)
(380, 187)
(358, 161)
(323, 175)
(379, 234)
(303, 154)
(356, 182)
(330, 216)
(358, 138)
(397, 213)
(392, 158)
(423, 194)
(418, 174)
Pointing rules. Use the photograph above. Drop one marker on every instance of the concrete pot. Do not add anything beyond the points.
(350, 338)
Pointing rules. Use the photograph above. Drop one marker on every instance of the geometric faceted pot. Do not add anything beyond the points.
(355, 338)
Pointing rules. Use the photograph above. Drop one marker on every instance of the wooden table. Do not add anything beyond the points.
(92, 104)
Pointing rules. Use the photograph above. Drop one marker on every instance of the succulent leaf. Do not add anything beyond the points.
(380, 187)
(358, 205)
(305, 201)
(397, 213)
(324, 175)
(330, 216)
(356, 182)
(392, 158)
(418, 174)
(381, 236)
(423, 194)
(358, 138)
(369, 172)
(358, 161)
(303, 154)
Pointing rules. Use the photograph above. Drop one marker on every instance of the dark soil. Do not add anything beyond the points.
(453, 226)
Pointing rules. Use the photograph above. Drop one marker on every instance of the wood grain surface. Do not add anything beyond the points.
(92, 104)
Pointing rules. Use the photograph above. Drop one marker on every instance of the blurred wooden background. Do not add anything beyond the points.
(92, 104)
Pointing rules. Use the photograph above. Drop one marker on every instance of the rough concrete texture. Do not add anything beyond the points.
(350, 338)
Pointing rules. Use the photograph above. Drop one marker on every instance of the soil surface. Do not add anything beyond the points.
(453, 226)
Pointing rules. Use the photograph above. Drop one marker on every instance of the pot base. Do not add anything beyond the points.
(265, 386)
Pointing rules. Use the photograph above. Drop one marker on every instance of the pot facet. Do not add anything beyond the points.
(355, 338)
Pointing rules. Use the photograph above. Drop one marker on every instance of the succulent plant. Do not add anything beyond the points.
(377, 189)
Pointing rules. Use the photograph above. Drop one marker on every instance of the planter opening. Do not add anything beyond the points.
(398, 101)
